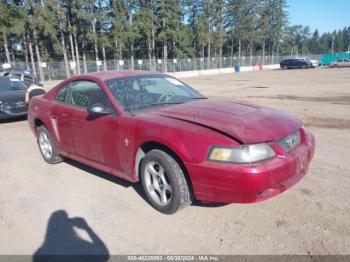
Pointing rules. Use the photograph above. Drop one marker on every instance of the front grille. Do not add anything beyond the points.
(290, 142)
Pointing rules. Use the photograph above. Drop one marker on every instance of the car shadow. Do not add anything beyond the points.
(13, 120)
(116, 180)
(63, 243)
(208, 205)
(136, 186)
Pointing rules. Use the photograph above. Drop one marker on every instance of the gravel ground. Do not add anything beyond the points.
(312, 217)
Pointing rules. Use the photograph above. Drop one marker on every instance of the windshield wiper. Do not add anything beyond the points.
(199, 98)
(166, 103)
(175, 102)
(144, 105)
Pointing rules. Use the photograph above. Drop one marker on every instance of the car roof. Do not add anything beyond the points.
(106, 75)
(18, 70)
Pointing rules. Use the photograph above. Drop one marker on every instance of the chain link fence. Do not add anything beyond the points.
(57, 70)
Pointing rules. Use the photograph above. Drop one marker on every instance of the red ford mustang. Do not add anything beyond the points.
(152, 128)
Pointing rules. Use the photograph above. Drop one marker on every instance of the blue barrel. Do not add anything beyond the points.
(237, 68)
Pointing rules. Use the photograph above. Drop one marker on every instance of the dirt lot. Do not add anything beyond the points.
(313, 217)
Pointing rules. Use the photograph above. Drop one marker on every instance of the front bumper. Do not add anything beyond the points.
(12, 110)
(4, 115)
(228, 183)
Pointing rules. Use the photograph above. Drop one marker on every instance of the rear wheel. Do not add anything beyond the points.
(285, 67)
(164, 182)
(47, 147)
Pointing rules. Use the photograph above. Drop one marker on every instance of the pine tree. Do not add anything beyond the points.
(218, 24)
(240, 20)
(10, 23)
(314, 45)
(170, 30)
(118, 20)
(58, 17)
(198, 24)
(55, 30)
(131, 32)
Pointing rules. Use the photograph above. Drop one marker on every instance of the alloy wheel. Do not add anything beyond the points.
(45, 145)
(158, 184)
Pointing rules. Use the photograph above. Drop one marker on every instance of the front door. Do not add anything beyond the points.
(96, 138)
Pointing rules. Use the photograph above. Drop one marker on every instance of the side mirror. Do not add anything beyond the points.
(98, 110)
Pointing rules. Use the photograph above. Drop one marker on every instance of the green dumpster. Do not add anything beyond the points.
(326, 59)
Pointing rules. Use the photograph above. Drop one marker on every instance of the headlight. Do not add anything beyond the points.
(242, 155)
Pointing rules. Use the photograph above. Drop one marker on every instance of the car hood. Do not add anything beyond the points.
(246, 123)
(12, 95)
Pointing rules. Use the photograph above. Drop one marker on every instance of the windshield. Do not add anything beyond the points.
(145, 92)
(11, 84)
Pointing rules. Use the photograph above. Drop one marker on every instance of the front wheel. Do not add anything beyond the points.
(164, 182)
(47, 147)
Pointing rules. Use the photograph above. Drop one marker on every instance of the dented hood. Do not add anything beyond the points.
(246, 123)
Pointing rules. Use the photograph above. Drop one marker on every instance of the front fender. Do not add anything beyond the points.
(189, 141)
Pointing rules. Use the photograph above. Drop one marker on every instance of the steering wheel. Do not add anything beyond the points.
(166, 97)
(143, 98)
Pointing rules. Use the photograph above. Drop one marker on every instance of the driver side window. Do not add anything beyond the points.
(85, 93)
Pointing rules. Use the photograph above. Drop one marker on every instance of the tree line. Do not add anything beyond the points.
(299, 39)
(34, 31)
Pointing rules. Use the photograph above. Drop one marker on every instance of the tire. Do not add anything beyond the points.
(285, 67)
(304, 67)
(164, 182)
(47, 146)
